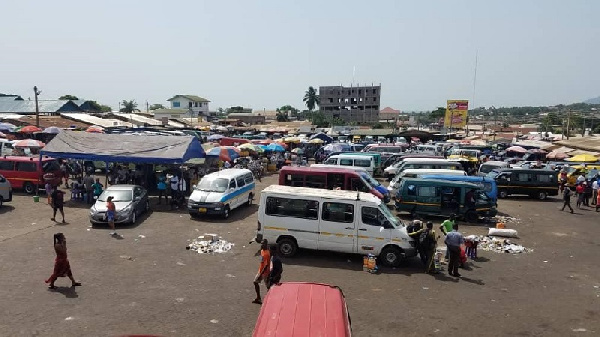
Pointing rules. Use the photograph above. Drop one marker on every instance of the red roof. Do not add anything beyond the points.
(303, 309)
(390, 110)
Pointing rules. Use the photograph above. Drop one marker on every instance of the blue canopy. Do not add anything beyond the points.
(124, 148)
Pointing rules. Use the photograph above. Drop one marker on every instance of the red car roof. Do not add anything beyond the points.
(303, 309)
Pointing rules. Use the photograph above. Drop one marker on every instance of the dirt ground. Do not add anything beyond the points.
(153, 285)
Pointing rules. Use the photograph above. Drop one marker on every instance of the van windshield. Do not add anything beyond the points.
(392, 219)
(213, 185)
(370, 179)
(482, 197)
(487, 168)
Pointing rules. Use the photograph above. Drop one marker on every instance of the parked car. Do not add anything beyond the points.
(29, 173)
(130, 202)
(5, 190)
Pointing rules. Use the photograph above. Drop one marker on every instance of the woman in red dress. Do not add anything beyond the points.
(62, 267)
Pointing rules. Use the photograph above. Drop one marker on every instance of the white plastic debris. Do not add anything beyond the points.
(70, 318)
(210, 244)
(504, 232)
(141, 236)
(180, 263)
(500, 245)
(214, 321)
(579, 330)
(179, 299)
(229, 275)
(127, 257)
(507, 219)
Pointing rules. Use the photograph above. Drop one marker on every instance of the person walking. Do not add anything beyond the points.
(454, 240)
(429, 243)
(48, 188)
(88, 183)
(446, 227)
(276, 268)
(58, 201)
(161, 186)
(263, 269)
(579, 189)
(97, 188)
(587, 192)
(567, 199)
(62, 267)
(595, 191)
(110, 215)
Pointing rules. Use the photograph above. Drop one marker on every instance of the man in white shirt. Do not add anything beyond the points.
(594, 191)
(580, 179)
(174, 184)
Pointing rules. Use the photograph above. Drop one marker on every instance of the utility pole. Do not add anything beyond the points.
(36, 92)
(568, 123)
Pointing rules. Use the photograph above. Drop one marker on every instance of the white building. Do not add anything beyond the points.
(198, 105)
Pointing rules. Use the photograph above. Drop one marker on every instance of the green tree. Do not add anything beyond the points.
(128, 106)
(99, 107)
(156, 107)
(311, 98)
(318, 119)
(68, 98)
(377, 126)
(289, 109)
(282, 116)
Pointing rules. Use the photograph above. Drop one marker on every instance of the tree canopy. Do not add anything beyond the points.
(156, 107)
(129, 106)
(68, 97)
(311, 98)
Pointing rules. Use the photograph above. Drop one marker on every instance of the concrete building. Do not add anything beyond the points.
(351, 104)
(389, 115)
(248, 118)
(198, 105)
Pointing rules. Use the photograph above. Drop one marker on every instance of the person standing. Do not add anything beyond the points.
(454, 240)
(595, 191)
(110, 214)
(276, 268)
(65, 173)
(587, 192)
(62, 267)
(161, 186)
(88, 183)
(446, 227)
(414, 231)
(429, 242)
(174, 184)
(48, 188)
(579, 189)
(58, 201)
(97, 188)
(567, 199)
(263, 269)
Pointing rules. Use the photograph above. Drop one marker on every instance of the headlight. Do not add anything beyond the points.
(127, 209)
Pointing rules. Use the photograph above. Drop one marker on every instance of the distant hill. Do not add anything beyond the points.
(593, 100)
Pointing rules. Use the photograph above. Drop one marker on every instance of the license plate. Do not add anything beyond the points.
(202, 210)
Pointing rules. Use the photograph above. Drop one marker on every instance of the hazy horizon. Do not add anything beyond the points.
(265, 55)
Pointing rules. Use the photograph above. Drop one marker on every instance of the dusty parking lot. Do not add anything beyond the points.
(154, 285)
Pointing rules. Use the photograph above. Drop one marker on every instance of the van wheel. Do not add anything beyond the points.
(287, 247)
(542, 195)
(391, 256)
(502, 194)
(226, 212)
(28, 188)
(471, 216)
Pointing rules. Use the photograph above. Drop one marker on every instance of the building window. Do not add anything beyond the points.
(374, 91)
(196, 104)
(176, 104)
(190, 104)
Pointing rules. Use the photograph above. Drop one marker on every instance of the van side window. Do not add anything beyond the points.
(331, 161)
(315, 181)
(338, 212)
(428, 191)
(524, 177)
(544, 178)
(7, 165)
(294, 208)
(294, 180)
(248, 179)
(371, 216)
(232, 183)
(25, 166)
(346, 162)
(411, 190)
(240, 181)
(335, 180)
(357, 184)
(362, 163)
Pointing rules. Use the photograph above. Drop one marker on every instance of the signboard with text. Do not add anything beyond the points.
(456, 113)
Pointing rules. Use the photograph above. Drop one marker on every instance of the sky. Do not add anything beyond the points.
(265, 54)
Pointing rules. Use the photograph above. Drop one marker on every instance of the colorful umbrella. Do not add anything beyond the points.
(7, 127)
(583, 158)
(29, 129)
(517, 149)
(225, 153)
(95, 129)
(297, 151)
(275, 147)
(291, 140)
(337, 147)
(250, 147)
(52, 130)
(316, 141)
(214, 137)
(31, 143)
(2, 135)
(557, 155)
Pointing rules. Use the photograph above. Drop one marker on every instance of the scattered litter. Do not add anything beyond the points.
(425, 288)
(500, 245)
(507, 219)
(579, 330)
(545, 261)
(179, 299)
(229, 275)
(180, 263)
(127, 257)
(596, 287)
(70, 318)
(88, 229)
(504, 232)
(214, 321)
(33, 223)
(197, 230)
(141, 236)
(210, 243)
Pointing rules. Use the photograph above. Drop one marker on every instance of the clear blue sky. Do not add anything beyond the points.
(264, 54)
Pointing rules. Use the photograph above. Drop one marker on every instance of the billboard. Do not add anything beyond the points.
(456, 113)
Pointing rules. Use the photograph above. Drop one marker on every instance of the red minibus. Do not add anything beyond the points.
(327, 178)
(303, 309)
(27, 173)
(226, 141)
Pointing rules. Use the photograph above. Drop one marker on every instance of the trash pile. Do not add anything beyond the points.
(506, 219)
(500, 245)
(209, 244)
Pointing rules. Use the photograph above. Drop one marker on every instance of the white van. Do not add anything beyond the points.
(340, 221)
(367, 162)
(417, 173)
(391, 171)
(5, 190)
(6, 147)
(221, 192)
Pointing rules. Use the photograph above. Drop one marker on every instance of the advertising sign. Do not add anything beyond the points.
(456, 114)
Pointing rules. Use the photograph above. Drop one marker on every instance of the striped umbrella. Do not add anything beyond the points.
(225, 153)
(31, 143)
(29, 129)
(95, 129)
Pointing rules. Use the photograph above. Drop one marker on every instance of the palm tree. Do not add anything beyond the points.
(311, 98)
(128, 106)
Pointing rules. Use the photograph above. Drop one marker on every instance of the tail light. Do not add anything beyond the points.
(259, 226)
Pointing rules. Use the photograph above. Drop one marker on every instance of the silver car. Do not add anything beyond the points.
(130, 202)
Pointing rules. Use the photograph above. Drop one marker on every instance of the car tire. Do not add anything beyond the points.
(502, 194)
(226, 212)
(471, 216)
(147, 207)
(542, 195)
(288, 247)
(28, 188)
(391, 256)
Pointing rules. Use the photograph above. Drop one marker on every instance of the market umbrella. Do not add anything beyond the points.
(275, 147)
(225, 153)
(583, 158)
(337, 147)
(298, 150)
(29, 129)
(52, 130)
(325, 138)
(250, 147)
(214, 137)
(518, 149)
(95, 129)
(316, 141)
(2, 135)
(7, 127)
(31, 143)
(557, 155)
(291, 140)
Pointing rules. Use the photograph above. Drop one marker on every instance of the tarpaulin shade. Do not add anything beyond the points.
(124, 148)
